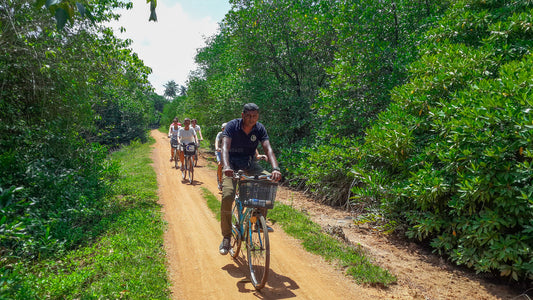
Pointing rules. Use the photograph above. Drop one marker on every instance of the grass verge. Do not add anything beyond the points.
(126, 261)
(300, 226)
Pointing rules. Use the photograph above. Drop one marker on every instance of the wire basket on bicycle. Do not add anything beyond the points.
(189, 149)
(258, 193)
(174, 141)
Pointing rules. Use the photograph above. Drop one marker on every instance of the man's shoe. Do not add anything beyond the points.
(224, 246)
(270, 229)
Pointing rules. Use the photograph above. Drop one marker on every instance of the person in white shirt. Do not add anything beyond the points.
(173, 135)
(197, 129)
(218, 147)
(186, 135)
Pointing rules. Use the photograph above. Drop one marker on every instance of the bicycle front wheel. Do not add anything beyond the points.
(258, 250)
(191, 170)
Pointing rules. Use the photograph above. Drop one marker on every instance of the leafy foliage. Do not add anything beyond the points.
(422, 106)
(458, 139)
(66, 97)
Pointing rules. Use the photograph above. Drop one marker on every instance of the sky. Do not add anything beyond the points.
(169, 45)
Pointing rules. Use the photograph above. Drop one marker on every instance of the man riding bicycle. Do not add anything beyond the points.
(239, 144)
(173, 135)
(186, 135)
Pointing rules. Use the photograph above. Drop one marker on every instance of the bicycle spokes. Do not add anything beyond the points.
(258, 250)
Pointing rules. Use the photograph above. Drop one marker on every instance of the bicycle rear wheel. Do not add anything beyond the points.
(236, 237)
(191, 170)
(258, 250)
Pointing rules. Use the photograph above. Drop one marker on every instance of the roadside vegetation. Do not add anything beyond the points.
(122, 257)
(314, 240)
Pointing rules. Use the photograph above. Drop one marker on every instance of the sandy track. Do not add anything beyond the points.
(196, 269)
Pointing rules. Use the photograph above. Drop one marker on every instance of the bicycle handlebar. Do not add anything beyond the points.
(240, 175)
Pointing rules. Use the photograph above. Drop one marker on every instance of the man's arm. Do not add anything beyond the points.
(226, 168)
(200, 132)
(276, 173)
(195, 137)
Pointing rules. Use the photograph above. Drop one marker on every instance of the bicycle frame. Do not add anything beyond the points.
(244, 215)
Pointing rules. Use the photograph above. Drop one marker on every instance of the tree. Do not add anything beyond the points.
(171, 89)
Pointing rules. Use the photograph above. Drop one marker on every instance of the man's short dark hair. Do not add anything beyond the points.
(250, 107)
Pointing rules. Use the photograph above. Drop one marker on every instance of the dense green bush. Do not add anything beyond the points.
(457, 142)
(66, 96)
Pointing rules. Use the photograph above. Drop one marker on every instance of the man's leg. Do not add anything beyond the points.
(228, 196)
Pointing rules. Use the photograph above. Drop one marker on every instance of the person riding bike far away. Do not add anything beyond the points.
(218, 148)
(186, 135)
(239, 144)
(197, 129)
(173, 135)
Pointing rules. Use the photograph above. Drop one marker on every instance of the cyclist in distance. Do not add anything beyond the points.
(218, 148)
(197, 129)
(186, 135)
(173, 135)
(239, 144)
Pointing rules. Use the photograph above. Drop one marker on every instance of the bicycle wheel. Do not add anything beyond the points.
(258, 250)
(236, 237)
(196, 158)
(184, 168)
(191, 170)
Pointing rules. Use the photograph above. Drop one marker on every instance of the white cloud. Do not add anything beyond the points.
(169, 45)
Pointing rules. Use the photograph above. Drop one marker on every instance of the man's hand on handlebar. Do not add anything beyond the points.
(228, 172)
(276, 175)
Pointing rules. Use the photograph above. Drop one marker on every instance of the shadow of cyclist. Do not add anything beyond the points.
(277, 287)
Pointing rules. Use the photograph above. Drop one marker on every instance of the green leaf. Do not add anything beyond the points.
(61, 18)
(50, 3)
(81, 9)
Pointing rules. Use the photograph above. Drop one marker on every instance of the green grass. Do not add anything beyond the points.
(212, 202)
(126, 261)
(300, 226)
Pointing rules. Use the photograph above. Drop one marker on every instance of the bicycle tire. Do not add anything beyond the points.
(258, 250)
(191, 170)
(176, 158)
(196, 158)
(184, 169)
(236, 237)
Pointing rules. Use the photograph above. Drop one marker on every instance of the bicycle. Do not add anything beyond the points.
(196, 153)
(175, 157)
(253, 194)
(188, 163)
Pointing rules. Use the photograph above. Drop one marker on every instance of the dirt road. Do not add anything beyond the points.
(198, 271)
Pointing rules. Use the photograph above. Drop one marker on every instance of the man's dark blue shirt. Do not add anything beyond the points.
(243, 145)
